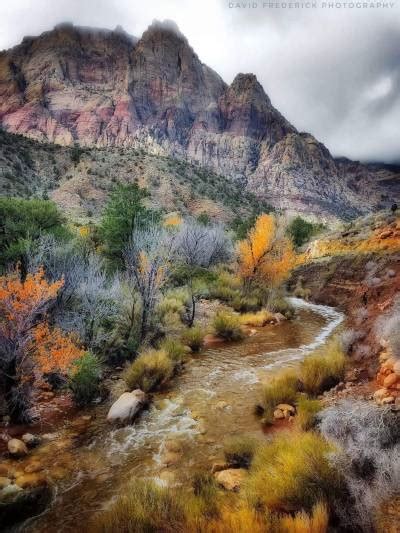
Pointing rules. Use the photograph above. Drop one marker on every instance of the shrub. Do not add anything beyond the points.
(281, 305)
(389, 329)
(292, 473)
(149, 370)
(145, 507)
(227, 326)
(301, 231)
(174, 349)
(239, 451)
(307, 410)
(320, 372)
(283, 388)
(244, 304)
(369, 436)
(85, 379)
(348, 338)
(258, 319)
(23, 221)
(194, 338)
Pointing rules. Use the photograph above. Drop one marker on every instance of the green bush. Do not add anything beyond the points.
(174, 349)
(123, 212)
(307, 410)
(322, 371)
(194, 338)
(227, 326)
(301, 231)
(23, 221)
(293, 473)
(149, 370)
(239, 451)
(281, 305)
(245, 304)
(85, 379)
(283, 388)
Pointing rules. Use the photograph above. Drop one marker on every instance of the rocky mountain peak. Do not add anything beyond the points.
(100, 87)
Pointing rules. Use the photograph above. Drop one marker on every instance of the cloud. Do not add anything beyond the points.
(332, 72)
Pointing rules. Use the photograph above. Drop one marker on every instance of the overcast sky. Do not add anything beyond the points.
(332, 72)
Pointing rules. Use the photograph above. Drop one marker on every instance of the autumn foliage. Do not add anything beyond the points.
(264, 256)
(28, 344)
(54, 350)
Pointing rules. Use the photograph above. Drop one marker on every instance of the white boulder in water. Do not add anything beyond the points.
(127, 407)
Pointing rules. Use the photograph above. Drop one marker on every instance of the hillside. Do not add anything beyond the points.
(79, 180)
(105, 89)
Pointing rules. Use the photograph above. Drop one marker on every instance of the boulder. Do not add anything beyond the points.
(396, 368)
(231, 478)
(380, 394)
(388, 400)
(30, 440)
(17, 448)
(286, 410)
(390, 380)
(127, 407)
(171, 458)
(278, 414)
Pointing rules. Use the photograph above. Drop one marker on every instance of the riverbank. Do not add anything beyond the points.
(183, 431)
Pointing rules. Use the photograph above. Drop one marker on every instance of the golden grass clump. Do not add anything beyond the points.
(322, 371)
(174, 349)
(282, 388)
(227, 326)
(144, 507)
(307, 410)
(316, 522)
(194, 338)
(149, 370)
(239, 450)
(292, 473)
(257, 319)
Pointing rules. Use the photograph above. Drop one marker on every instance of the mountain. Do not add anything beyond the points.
(102, 88)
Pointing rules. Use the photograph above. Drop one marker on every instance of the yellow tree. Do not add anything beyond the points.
(265, 256)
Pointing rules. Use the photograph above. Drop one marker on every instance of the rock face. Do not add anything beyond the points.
(127, 407)
(106, 88)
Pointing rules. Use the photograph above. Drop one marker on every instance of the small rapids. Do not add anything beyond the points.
(213, 398)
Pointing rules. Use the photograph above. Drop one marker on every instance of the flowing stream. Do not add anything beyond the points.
(213, 398)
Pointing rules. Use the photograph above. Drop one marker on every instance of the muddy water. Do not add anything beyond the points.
(211, 399)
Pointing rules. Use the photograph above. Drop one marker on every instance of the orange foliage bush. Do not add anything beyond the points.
(54, 350)
(20, 300)
(264, 256)
(23, 323)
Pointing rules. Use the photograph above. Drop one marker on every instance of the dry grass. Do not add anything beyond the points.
(258, 319)
(292, 473)
(174, 349)
(144, 508)
(227, 326)
(316, 522)
(194, 338)
(149, 370)
(322, 371)
(283, 388)
(307, 410)
(239, 451)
